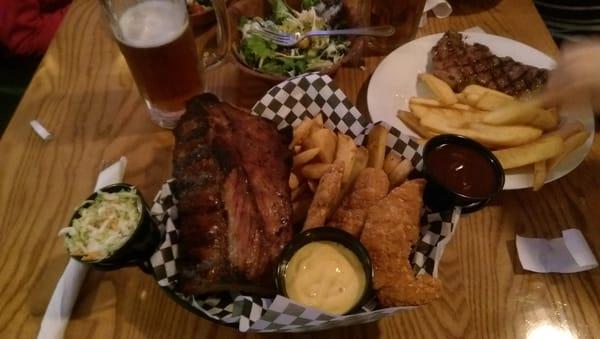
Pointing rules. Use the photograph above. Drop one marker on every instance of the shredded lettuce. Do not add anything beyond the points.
(309, 3)
(281, 11)
(313, 54)
(103, 226)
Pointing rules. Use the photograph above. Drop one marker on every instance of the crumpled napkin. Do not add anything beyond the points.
(568, 254)
(65, 294)
(440, 8)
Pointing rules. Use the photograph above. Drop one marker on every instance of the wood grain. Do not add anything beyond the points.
(84, 94)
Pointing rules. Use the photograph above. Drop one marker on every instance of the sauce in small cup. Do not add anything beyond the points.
(325, 268)
(460, 172)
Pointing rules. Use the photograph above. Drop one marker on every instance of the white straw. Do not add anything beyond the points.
(40, 130)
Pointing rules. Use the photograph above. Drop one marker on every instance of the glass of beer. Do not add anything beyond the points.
(158, 44)
(404, 15)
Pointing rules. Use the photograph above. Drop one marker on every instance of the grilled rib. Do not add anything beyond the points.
(231, 173)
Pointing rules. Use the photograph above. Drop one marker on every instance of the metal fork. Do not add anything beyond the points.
(288, 39)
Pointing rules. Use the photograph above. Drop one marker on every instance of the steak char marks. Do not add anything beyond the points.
(231, 172)
(460, 64)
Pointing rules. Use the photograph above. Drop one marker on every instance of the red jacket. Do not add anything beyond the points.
(27, 26)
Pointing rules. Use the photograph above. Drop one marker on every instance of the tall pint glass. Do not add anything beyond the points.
(404, 15)
(158, 44)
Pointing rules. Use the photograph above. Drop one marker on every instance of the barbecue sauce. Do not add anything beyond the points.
(463, 170)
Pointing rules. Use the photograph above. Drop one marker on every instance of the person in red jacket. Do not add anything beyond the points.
(27, 26)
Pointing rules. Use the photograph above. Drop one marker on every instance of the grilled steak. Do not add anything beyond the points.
(231, 171)
(460, 64)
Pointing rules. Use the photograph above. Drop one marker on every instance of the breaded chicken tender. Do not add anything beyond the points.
(371, 185)
(391, 228)
(325, 197)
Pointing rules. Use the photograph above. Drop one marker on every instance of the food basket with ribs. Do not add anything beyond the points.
(230, 210)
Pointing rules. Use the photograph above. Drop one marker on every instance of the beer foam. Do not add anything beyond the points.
(152, 23)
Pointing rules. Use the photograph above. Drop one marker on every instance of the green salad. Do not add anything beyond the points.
(310, 54)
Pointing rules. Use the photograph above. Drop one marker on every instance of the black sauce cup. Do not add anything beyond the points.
(327, 234)
(438, 196)
(142, 243)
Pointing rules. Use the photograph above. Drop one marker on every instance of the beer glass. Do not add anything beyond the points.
(404, 15)
(157, 41)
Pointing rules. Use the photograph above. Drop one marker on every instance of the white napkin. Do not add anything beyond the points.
(65, 294)
(568, 254)
(440, 8)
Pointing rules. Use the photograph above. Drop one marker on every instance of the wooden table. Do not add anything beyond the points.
(84, 94)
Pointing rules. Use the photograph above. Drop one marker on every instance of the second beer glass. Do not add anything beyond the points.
(404, 15)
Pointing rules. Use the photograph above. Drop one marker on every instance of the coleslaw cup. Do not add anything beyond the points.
(142, 242)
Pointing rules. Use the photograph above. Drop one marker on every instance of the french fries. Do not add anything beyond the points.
(304, 157)
(491, 100)
(437, 103)
(293, 181)
(540, 170)
(546, 119)
(360, 163)
(376, 145)
(517, 112)
(320, 156)
(439, 88)
(538, 150)
(471, 95)
(399, 174)
(301, 132)
(512, 113)
(412, 122)
(391, 161)
(571, 143)
(318, 121)
(455, 117)
(325, 141)
(519, 132)
(315, 171)
(489, 135)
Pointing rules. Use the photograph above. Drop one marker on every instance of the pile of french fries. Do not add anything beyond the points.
(316, 148)
(520, 133)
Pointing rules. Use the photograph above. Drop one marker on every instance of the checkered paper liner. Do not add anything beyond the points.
(287, 104)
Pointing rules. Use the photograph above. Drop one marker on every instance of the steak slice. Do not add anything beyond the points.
(231, 173)
(460, 64)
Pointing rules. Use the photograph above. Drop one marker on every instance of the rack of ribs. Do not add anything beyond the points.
(231, 174)
(460, 64)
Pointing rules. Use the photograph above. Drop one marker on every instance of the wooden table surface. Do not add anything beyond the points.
(84, 94)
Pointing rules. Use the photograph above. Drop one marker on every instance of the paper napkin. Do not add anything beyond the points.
(65, 294)
(440, 8)
(568, 254)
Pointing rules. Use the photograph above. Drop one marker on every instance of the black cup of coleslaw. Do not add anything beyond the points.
(141, 244)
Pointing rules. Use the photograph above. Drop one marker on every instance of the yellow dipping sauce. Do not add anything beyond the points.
(325, 275)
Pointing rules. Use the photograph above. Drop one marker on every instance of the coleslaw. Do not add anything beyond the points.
(104, 225)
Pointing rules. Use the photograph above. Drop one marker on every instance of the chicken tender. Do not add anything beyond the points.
(371, 185)
(325, 197)
(391, 228)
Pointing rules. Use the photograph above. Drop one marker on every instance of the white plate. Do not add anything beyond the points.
(395, 81)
